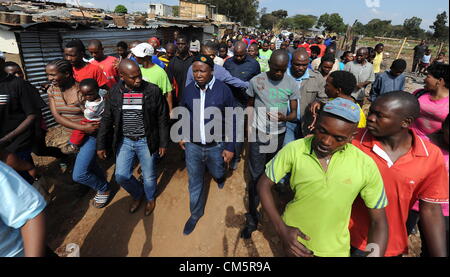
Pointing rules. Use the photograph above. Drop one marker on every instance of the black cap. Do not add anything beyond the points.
(204, 59)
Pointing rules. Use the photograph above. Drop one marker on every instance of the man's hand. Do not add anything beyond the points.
(277, 117)
(227, 156)
(91, 127)
(315, 107)
(292, 246)
(162, 152)
(181, 143)
(101, 154)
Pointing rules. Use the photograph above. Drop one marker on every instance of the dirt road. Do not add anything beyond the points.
(114, 232)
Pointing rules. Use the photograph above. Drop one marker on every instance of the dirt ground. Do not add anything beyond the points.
(113, 232)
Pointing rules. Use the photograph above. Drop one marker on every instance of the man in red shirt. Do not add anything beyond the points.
(412, 169)
(74, 53)
(106, 63)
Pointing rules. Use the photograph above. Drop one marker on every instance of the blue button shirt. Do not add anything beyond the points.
(299, 82)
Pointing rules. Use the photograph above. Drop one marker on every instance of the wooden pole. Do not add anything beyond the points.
(440, 48)
(401, 48)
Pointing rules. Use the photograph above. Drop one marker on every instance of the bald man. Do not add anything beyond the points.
(106, 63)
(363, 71)
(135, 136)
(244, 67)
(270, 94)
(299, 71)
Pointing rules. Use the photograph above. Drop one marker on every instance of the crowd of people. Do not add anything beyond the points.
(361, 181)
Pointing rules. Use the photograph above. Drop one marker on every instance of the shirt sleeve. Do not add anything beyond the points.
(281, 164)
(375, 90)
(27, 92)
(165, 83)
(373, 192)
(19, 201)
(190, 76)
(250, 90)
(228, 79)
(434, 188)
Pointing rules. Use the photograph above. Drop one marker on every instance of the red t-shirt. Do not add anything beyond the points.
(107, 65)
(90, 71)
(306, 46)
(419, 174)
(322, 47)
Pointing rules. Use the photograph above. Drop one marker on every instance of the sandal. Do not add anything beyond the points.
(101, 200)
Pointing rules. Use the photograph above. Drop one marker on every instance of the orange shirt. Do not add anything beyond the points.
(419, 174)
(322, 47)
(90, 71)
(107, 65)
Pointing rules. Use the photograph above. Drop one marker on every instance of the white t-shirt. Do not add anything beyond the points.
(94, 110)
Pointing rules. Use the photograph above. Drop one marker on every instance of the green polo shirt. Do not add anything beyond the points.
(323, 200)
(156, 75)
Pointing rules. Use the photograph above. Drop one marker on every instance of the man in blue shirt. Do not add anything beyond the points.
(220, 73)
(244, 67)
(390, 80)
(203, 149)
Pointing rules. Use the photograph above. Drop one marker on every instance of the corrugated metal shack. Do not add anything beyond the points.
(40, 43)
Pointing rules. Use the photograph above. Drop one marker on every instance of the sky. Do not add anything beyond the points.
(350, 10)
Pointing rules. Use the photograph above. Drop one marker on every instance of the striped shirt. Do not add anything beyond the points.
(72, 111)
(133, 115)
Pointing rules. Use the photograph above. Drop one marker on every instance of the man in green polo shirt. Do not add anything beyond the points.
(327, 174)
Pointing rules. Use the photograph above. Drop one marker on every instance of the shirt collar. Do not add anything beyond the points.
(304, 77)
(209, 85)
(419, 149)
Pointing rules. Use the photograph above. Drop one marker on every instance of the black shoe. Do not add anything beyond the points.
(220, 182)
(189, 226)
(251, 225)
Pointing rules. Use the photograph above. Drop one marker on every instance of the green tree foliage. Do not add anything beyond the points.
(268, 21)
(280, 14)
(244, 11)
(378, 27)
(176, 10)
(303, 22)
(440, 27)
(411, 27)
(120, 9)
(331, 22)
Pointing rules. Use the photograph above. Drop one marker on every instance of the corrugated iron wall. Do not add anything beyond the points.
(38, 48)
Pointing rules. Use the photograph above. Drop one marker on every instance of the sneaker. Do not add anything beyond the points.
(251, 225)
(70, 149)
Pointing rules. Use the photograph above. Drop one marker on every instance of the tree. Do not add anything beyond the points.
(331, 22)
(359, 28)
(268, 21)
(440, 27)
(303, 22)
(280, 14)
(378, 27)
(411, 27)
(244, 11)
(176, 11)
(120, 9)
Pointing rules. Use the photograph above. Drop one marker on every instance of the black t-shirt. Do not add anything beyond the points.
(17, 101)
(177, 70)
(419, 51)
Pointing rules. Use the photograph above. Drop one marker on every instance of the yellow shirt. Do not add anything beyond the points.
(377, 63)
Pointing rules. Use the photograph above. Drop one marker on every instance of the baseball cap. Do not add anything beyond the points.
(143, 50)
(343, 108)
(204, 59)
(194, 46)
(154, 39)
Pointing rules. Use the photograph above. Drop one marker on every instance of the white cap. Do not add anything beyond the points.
(143, 50)
(194, 46)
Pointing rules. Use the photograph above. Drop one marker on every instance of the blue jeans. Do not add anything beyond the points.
(128, 150)
(292, 132)
(197, 159)
(86, 170)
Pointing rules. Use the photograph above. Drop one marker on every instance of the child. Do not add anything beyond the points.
(390, 80)
(94, 106)
(425, 62)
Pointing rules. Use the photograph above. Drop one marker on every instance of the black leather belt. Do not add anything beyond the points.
(135, 138)
(208, 145)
